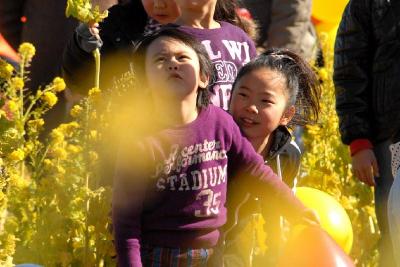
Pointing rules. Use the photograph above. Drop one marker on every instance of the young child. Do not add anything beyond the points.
(125, 23)
(228, 46)
(275, 90)
(170, 189)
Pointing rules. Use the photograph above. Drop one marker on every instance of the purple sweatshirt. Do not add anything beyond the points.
(178, 201)
(229, 48)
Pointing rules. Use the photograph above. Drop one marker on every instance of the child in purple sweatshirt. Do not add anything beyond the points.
(170, 188)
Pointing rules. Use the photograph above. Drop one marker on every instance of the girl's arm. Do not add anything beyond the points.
(128, 198)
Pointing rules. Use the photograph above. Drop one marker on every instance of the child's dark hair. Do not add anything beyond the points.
(302, 84)
(225, 10)
(206, 68)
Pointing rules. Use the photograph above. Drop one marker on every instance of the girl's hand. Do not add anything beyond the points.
(87, 37)
(94, 30)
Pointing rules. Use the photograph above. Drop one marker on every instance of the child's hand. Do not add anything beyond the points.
(94, 30)
(365, 166)
(88, 37)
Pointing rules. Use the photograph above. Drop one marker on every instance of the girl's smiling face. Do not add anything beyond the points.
(173, 70)
(163, 11)
(259, 103)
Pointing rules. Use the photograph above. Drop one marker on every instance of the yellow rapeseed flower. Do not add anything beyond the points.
(76, 111)
(17, 83)
(68, 129)
(60, 153)
(50, 98)
(17, 155)
(74, 149)
(48, 164)
(94, 93)
(36, 123)
(28, 147)
(59, 84)
(13, 106)
(57, 135)
(323, 74)
(6, 69)
(27, 50)
(18, 181)
(60, 170)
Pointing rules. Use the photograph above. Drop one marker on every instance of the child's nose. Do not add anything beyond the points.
(173, 67)
(159, 4)
(252, 108)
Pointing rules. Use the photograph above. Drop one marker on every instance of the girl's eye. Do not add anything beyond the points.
(183, 57)
(159, 59)
(242, 95)
(266, 101)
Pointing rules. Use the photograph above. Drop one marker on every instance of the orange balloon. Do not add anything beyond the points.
(333, 217)
(6, 50)
(310, 246)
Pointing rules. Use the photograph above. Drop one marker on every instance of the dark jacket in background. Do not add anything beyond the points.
(284, 24)
(125, 22)
(367, 70)
(48, 29)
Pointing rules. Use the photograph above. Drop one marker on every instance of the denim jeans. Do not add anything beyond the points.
(382, 189)
(394, 217)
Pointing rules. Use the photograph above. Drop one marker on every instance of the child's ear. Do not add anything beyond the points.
(288, 115)
(204, 80)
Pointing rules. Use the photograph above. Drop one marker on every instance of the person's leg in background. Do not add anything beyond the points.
(382, 189)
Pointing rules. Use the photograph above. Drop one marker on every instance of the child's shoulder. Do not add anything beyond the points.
(219, 113)
(283, 143)
(219, 117)
(226, 26)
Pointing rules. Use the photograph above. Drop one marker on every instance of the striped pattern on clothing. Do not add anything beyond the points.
(174, 257)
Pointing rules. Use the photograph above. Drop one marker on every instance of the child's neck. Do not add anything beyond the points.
(176, 115)
(262, 145)
(198, 19)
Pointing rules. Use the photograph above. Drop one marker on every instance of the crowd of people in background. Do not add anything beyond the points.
(208, 58)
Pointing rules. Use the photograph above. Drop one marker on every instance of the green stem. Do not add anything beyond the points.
(86, 220)
(21, 91)
(96, 55)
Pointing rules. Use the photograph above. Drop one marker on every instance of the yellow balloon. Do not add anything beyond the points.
(328, 11)
(327, 35)
(333, 217)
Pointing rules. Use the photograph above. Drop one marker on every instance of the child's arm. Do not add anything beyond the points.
(128, 196)
(78, 63)
(245, 163)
